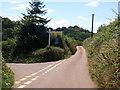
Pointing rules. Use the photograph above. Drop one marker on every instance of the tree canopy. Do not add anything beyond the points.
(32, 32)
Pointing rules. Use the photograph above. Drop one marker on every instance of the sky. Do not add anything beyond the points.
(65, 13)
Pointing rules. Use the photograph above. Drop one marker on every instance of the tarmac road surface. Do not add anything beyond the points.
(68, 73)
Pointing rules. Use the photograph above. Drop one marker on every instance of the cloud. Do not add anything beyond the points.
(82, 26)
(61, 0)
(83, 18)
(109, 21)
(21, 7)
(24, 6)
(14, 2)
(48, 10)
(80, 0)
(16, 18)
(58, 23)
(93, 4)
(97, 24)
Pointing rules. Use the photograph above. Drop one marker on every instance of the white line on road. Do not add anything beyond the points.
(48, 66)
(28, 76)
(28, 82)
(21, 86)
(17, 82)
(52, 68)
(23, 79)
(35, 78)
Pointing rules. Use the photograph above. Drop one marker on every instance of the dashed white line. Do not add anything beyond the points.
(33, 74)
(46, 67)
(35, 78)
(28, 82)
(21, 86)
(51, 68)
(17, 82)
(28, 76)
(23, 79)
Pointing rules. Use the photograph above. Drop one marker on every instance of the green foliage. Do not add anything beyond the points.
(8, 48)
(7, 23)
(71, 43)
(7, 76)
(31, 33)
(102, 51)
(77, 33)
(49, 54)
(64, 42)
(7, 29)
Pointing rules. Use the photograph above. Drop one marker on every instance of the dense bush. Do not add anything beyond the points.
(102, 51)
(7, 76)
(71, 43)
(49, 54)
(65, 43)
(7, 28)
(8, 48)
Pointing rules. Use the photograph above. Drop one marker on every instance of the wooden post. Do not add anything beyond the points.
(119, 9)
(49, 38)
(92, 25)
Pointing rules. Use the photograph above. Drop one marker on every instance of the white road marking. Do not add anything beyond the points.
(46, 67)
(28, 76)
(33, 74)
(28, 82)
(35, 78)
(17, 82)
(23, 79)
(21, 86)
(51, 68)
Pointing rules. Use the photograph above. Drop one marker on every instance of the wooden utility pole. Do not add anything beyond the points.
(49, 38)
(92, 25)
(119, 9)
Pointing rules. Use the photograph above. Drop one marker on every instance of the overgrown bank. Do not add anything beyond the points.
(103, 57)
(7, 76)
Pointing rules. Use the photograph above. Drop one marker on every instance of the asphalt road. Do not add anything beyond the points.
(68, 73)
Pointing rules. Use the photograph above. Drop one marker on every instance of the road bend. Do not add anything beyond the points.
(69, 73)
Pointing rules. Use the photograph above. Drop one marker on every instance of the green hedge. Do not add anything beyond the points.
(102, 51)
(8, 49)
(71, 43)
(48, 54)
(7, 76)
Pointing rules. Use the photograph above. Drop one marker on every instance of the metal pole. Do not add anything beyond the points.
(92, 24)
(49, 38)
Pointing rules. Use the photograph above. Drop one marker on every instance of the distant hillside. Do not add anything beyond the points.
(75, 32)
(102, 51)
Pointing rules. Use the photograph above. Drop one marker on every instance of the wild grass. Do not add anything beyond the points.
(7, 76)
(103, 56)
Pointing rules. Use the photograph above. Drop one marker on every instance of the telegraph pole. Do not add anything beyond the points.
(49, 38)
(92, 25)
(119, 10)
